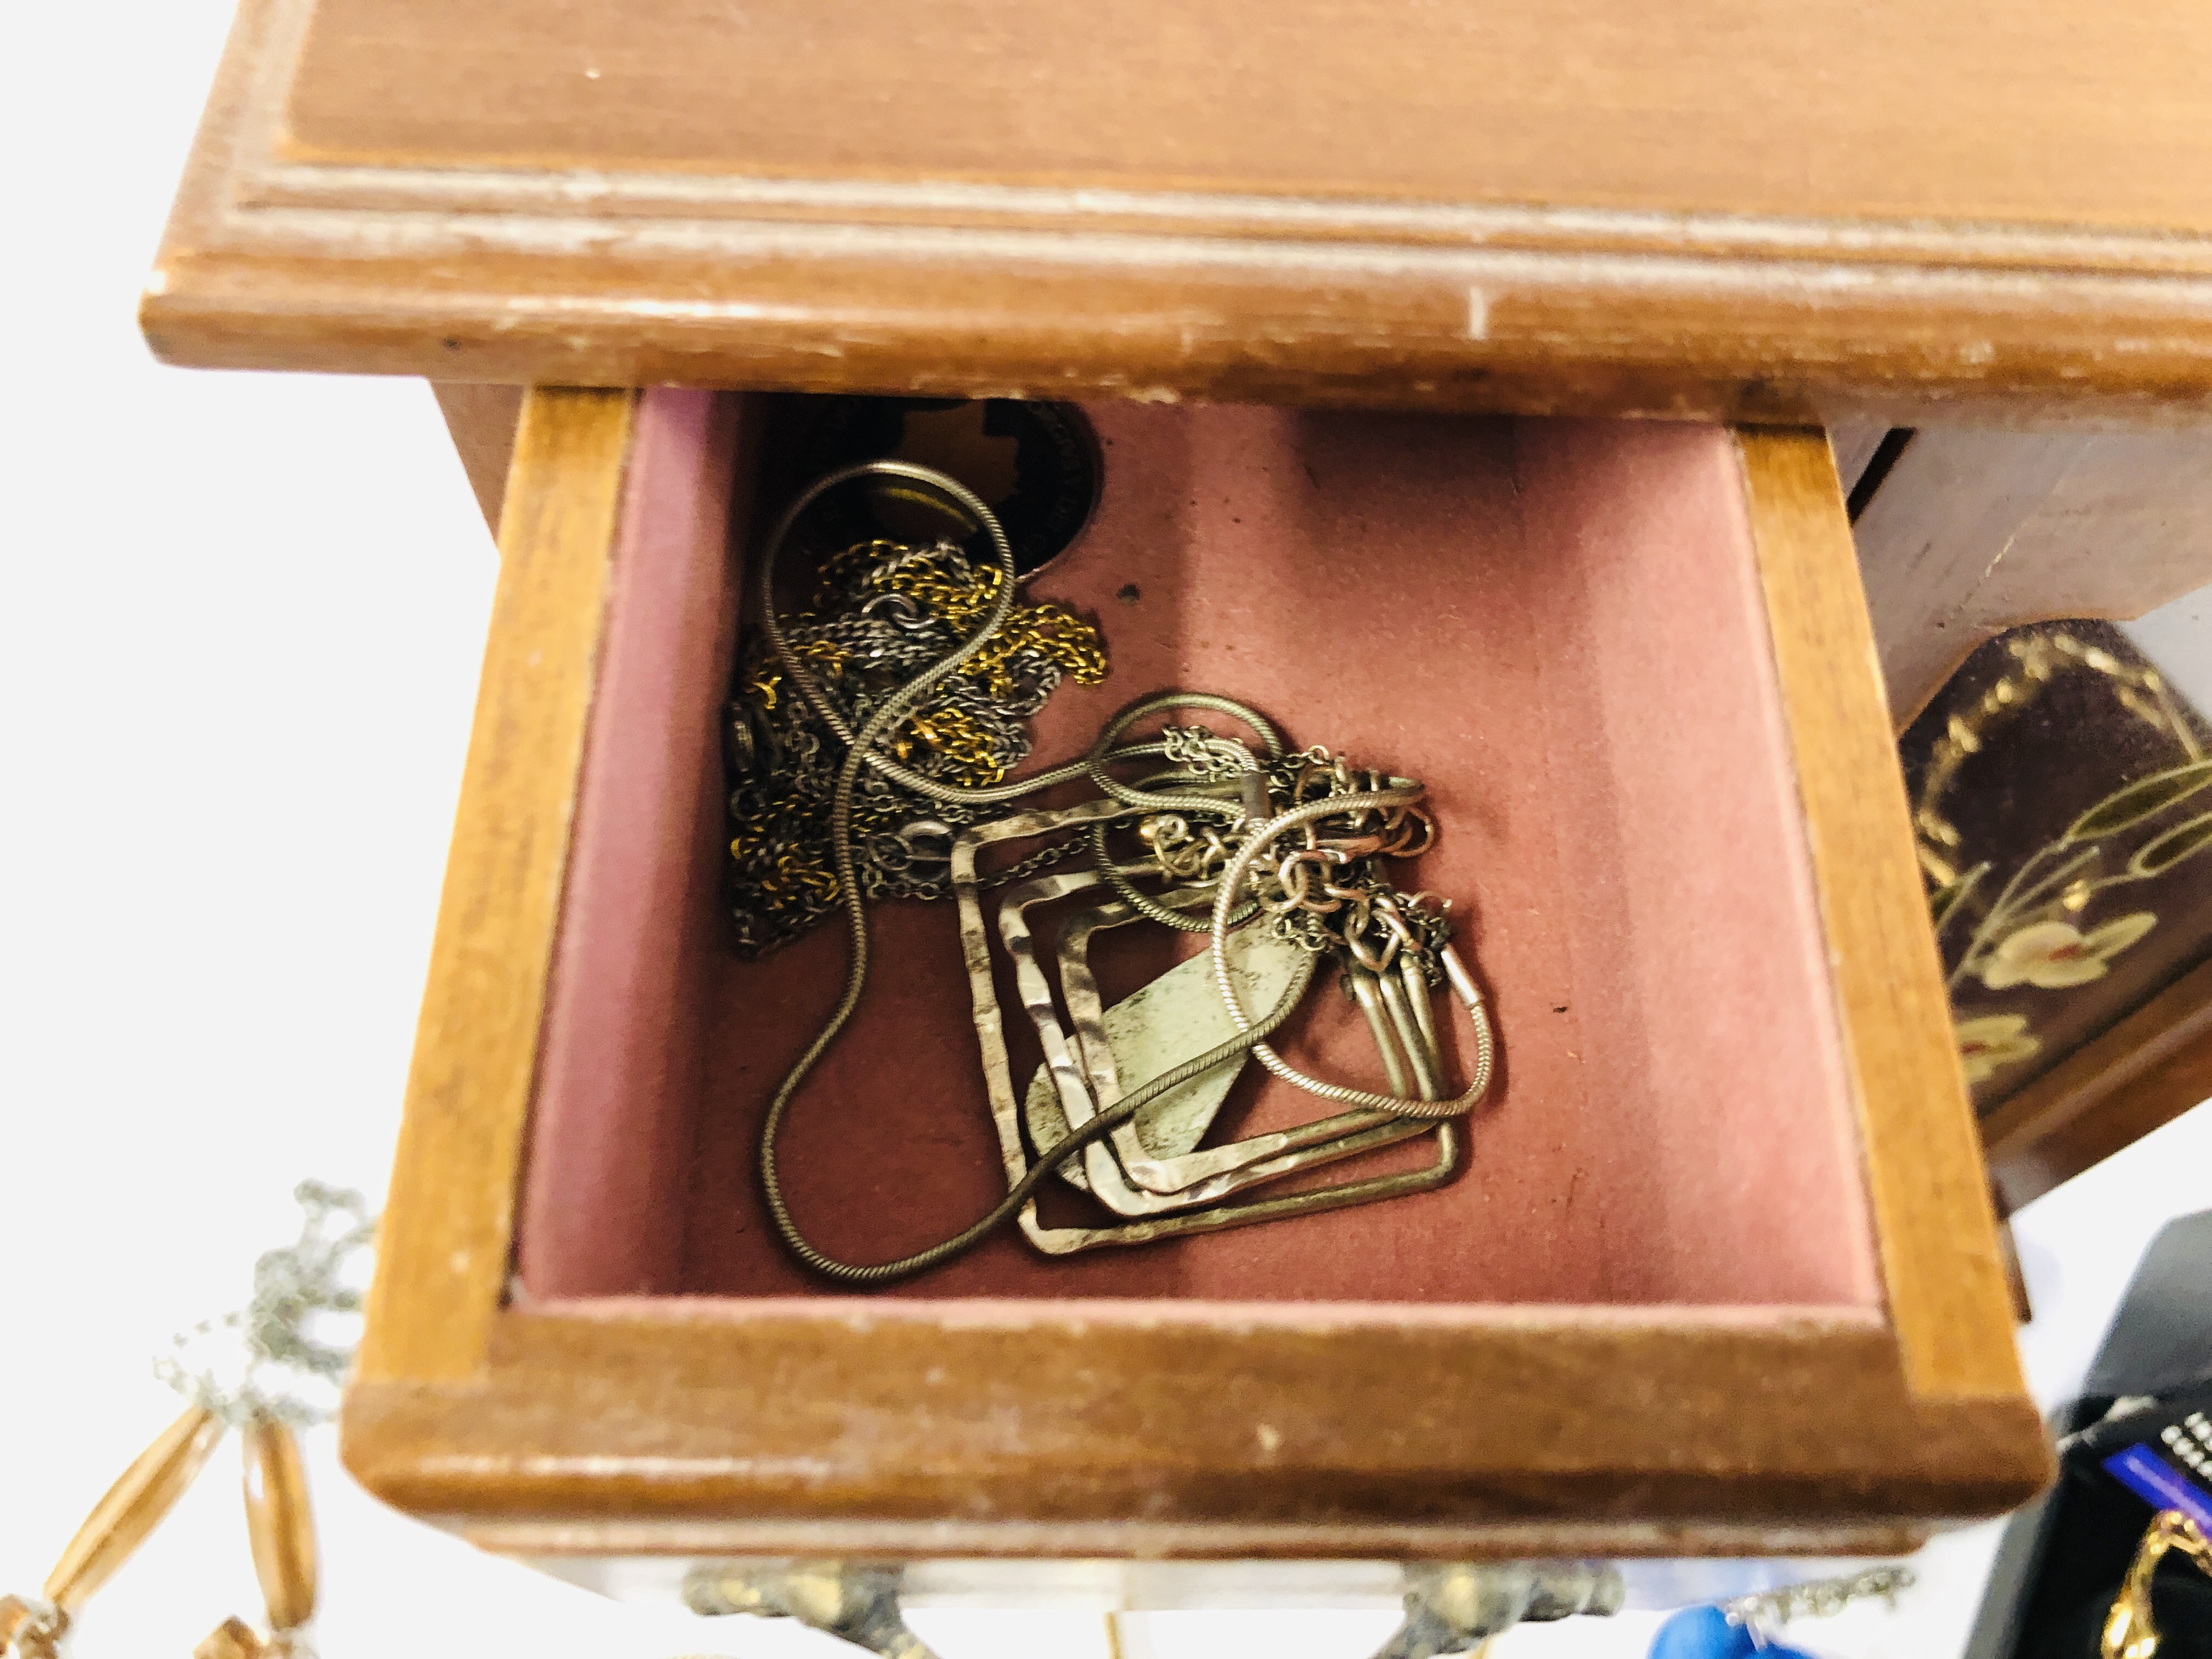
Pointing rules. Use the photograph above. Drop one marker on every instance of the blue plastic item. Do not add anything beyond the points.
(1706, 1634)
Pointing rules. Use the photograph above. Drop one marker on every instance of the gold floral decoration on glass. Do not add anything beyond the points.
(2037, 933)
(1992, 1041)
(2029, 936)
(2052, 955)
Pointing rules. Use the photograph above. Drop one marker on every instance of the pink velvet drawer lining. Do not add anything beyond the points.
(1557, 625)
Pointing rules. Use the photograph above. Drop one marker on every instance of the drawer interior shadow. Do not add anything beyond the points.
(1557, 625)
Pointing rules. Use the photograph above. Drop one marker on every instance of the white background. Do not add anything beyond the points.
(242, 616)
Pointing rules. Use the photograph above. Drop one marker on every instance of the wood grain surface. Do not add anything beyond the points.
(2147, 1070)
(443, 1246)
(1985, 110)
(1853, 444)
(1713, 209)
(1073, 1430)
(482, 421)
(1973, 532)
(1924, 1172)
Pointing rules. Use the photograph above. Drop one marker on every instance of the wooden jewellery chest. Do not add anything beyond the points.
(1720, 1276)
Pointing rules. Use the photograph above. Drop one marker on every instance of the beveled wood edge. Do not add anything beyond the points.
(482, 421)
(486, 274)
(1933, 1221)
(1963, 636)
(765, 1434)
(1141, 1540)
(446, 1234)
(1972, 533)
(275, 167)
(1646, 335)
(2143, 1072)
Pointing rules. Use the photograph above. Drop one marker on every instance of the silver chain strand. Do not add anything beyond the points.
(1818, 1598)
(276, 1357)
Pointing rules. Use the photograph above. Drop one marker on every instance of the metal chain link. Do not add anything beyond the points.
(883, 612)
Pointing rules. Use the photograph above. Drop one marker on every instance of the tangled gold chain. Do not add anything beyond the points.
(881, 611)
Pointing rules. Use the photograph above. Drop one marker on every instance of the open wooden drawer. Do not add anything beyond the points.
(1720, 1275)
